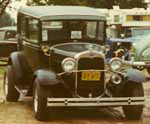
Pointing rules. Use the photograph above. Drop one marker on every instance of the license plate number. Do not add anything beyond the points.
(90, 76)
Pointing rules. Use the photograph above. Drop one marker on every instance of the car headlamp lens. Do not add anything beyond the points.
(116, 79)
(68, 64)
(115, 64)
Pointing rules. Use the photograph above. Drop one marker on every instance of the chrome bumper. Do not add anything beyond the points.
(62, 102)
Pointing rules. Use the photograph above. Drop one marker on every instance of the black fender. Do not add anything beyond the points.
(46, 77)
(21, 68)
(134, 75)
(55, 84)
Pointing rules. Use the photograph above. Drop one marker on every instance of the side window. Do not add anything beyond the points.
(33, 30)
(91, 29)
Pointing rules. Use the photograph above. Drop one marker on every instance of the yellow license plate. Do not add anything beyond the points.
(91, 76)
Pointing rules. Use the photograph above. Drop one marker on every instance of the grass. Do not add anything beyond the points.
(2, 70)
(3, 65)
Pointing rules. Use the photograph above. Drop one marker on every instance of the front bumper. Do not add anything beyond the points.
(117, 101)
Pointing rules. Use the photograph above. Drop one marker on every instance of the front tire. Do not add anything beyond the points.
(133, 90)
(10, 93)
(40, 102)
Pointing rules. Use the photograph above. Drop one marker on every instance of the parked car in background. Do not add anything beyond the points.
(61, 63)
(142, 51)
(136, 31)
(8, 42)
(119, 48)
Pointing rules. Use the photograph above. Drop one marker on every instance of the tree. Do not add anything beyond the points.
(93, 3)
(3, 5)
(5, 20)
(131, 3)
(60, 2)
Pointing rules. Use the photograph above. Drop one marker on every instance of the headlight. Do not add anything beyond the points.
(115, 64)
(68, 64)
(116, 79)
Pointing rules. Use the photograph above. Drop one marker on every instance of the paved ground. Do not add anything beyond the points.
(21, 113)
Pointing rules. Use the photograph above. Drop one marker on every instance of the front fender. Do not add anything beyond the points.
(22, 71)
(46, 77)
(49, 79)
(134, 75)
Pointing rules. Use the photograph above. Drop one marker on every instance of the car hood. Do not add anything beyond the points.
(71, 49)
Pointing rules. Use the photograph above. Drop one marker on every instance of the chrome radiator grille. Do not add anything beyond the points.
(86, 87)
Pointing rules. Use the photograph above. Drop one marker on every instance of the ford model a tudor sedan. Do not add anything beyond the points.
(61, 63)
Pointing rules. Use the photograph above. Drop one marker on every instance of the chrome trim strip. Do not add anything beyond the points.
(30, 44)
(8, 42)
(117, 101)
(76, 71)
(71, 44)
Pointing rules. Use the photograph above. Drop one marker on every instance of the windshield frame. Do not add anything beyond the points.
(96, 40)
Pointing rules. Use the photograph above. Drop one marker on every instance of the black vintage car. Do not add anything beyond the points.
(8, 41)
(61, 63)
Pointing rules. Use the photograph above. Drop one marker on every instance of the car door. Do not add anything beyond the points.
(30, 43)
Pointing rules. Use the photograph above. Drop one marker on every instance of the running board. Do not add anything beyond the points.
(117, 101)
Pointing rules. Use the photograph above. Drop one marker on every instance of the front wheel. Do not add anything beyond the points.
(40, 102)
(11, 94)
(133, 90)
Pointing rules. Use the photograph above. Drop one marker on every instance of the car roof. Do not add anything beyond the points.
(120, 40)
(62, 12)
(8, 28)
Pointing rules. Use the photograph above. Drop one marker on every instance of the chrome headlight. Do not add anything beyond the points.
(68, 64)
(115, 64)
(116, 79)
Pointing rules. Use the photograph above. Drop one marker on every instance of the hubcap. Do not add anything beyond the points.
(6, 86)
(36, 101)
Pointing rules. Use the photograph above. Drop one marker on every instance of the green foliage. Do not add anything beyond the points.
(3, 5)
(93, 3)
(131, 3)
(60, 2)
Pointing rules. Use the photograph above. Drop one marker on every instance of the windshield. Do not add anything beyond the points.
(75, 30)
(140, 32)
